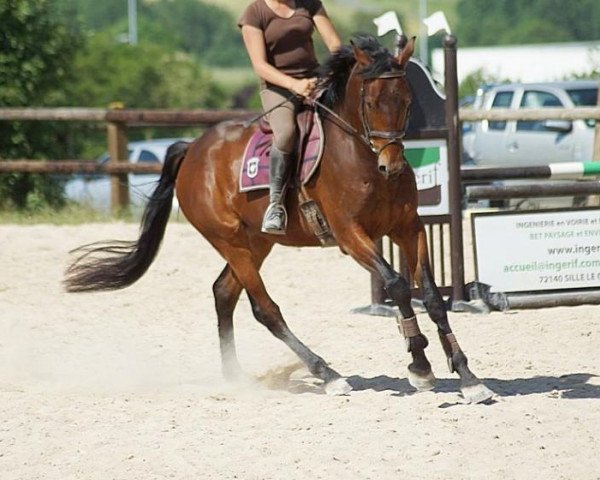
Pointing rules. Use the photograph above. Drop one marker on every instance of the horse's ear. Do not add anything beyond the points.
(406, 52)
(362, 58)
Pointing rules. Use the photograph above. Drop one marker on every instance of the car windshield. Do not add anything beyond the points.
(585, 97)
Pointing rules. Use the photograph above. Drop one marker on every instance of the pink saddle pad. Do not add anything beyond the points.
(254, 174)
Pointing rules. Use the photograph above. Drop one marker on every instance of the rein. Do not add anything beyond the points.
(369, 134)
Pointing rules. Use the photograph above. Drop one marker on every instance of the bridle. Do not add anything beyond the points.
(368, 134)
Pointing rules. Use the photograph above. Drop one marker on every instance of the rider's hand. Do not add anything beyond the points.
(304, 86)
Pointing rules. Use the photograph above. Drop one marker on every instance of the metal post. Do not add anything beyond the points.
(595, 201)
(423, 47)
(596, 152)
(454, 186)
(132, 17)
(117, 150)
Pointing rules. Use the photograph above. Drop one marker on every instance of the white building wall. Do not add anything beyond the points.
(523, 63)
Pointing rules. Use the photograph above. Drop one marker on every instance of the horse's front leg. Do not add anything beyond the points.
(227, 291)
(357, 243)
(413, 242)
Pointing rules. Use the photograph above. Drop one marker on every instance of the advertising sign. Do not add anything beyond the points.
(552, 250)
(429, 161)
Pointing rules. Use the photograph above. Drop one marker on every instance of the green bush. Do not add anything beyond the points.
(35, 64)
(48, 61)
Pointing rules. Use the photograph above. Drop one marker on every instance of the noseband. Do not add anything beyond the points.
(368, 133)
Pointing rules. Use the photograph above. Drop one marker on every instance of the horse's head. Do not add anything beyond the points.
(384, 98)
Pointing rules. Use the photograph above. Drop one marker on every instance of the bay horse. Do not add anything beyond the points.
(363, 187)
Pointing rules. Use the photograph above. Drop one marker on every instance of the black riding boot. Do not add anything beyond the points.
(275, 219)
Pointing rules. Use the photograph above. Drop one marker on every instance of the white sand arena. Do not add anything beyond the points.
(127, 385)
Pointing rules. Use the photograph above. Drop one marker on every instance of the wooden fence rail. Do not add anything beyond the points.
(129, 117)
(502, 114)
(117, 121)
(138, 117)
(76, 166)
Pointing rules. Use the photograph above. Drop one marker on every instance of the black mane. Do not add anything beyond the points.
(334, 73)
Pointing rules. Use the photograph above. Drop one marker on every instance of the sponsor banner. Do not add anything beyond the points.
(552, 250)
(429, 161)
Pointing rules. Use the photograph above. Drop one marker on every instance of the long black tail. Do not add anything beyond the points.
(111, 265)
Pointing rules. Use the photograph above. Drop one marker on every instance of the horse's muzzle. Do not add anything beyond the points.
(390, 165)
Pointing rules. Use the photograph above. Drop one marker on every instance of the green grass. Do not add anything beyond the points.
(73, 214)
(70, 215)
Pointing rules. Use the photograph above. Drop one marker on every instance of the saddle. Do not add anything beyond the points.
(254, 174)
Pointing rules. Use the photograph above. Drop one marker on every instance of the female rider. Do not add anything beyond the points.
(278, 37)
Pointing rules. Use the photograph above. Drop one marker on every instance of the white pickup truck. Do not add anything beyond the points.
(524, 143)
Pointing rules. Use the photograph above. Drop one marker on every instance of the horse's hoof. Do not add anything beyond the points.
(477, 393)
(339, 386)
(420, 382)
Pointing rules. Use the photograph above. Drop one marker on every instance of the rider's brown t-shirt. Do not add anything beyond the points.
(288, 41)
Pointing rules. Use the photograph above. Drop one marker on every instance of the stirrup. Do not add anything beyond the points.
(275, 219)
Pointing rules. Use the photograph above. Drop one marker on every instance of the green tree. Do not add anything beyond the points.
(192, 26)
(35, 62)
(205, 30)
(481, 22)
(94, 14)
(140, 76)
(468, 87)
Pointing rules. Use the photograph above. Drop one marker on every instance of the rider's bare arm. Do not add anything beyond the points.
(327, 30)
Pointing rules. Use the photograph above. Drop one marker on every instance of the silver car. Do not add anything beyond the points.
(531, 143)
(524, 143)
(95, 190)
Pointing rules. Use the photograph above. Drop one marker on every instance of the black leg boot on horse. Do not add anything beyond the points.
(275, 219)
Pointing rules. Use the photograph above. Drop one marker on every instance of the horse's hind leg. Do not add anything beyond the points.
(227, 290)
(415, 251)
(227, 293)
(242, 261)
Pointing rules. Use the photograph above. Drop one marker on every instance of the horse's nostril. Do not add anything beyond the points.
(383, 169)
